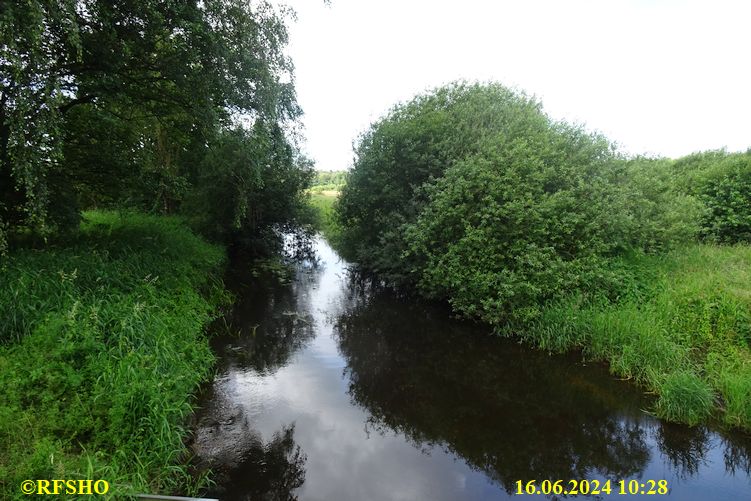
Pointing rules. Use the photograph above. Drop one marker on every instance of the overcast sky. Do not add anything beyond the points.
(663, 77)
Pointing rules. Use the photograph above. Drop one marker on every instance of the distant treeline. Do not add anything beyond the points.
(329, 180)
(167, 107)
(472, 194)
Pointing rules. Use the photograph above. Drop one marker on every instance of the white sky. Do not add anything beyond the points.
(663, 77)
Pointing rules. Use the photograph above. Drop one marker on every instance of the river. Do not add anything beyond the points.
(328, 388)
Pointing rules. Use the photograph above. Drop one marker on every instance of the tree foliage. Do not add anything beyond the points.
(412, 145)
(662, 212)
(722, 182)
(126, 103)
(251, 181)
(473, 194)
(37, 40)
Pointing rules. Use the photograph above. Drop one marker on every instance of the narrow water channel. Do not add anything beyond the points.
(331, 390)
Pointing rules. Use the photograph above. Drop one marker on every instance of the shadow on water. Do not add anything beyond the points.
(330, 388)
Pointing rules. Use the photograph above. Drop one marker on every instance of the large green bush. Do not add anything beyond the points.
(726, 193)
(535, 217)
(477, 196)
(412, 145)
(661, 213)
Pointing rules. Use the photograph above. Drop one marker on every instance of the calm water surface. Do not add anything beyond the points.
(331, 390)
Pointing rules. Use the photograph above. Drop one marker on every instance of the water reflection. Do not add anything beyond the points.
(511, 413)
(266, 325)
(245, 466)
(737, 455)
(269, 471)
(335, 389)
(684, 448)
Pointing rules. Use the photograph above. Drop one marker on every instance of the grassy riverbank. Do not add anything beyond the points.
(682, 328)
(102, 347)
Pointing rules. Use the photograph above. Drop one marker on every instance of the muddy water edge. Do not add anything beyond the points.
(328, 388)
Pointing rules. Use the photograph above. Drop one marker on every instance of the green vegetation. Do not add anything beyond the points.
(186, 111)
(471, 194)
(326, 222)
(324, 191)
(165, 107)
(328, 181)
(182, 110)
(723, 183)
(102, 349)
(682, 327)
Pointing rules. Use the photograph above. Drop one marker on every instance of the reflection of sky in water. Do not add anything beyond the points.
(348, 459)
(345, 460)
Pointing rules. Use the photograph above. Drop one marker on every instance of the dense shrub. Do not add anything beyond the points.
(661, 212)
(722, 182)
(512, 226)
(726, 192)
(477, 196)
(412, 145)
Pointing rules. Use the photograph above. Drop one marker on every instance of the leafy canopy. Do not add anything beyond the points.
(125, 103)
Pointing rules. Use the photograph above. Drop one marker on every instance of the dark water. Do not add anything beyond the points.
(334, 391)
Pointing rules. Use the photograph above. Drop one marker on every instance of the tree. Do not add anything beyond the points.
(251, 181)
(116, 102)
(37, 39)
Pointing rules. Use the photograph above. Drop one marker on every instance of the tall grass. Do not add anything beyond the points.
(683, 331)
(102, 347)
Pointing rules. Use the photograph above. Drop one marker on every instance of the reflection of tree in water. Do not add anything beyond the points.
(738, 455)
(511, 412)
(244, 467)
(270, 471)
(274, 341)
(685, 448)
(265, 327)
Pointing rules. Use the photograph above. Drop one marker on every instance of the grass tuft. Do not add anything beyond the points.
(684, 397)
